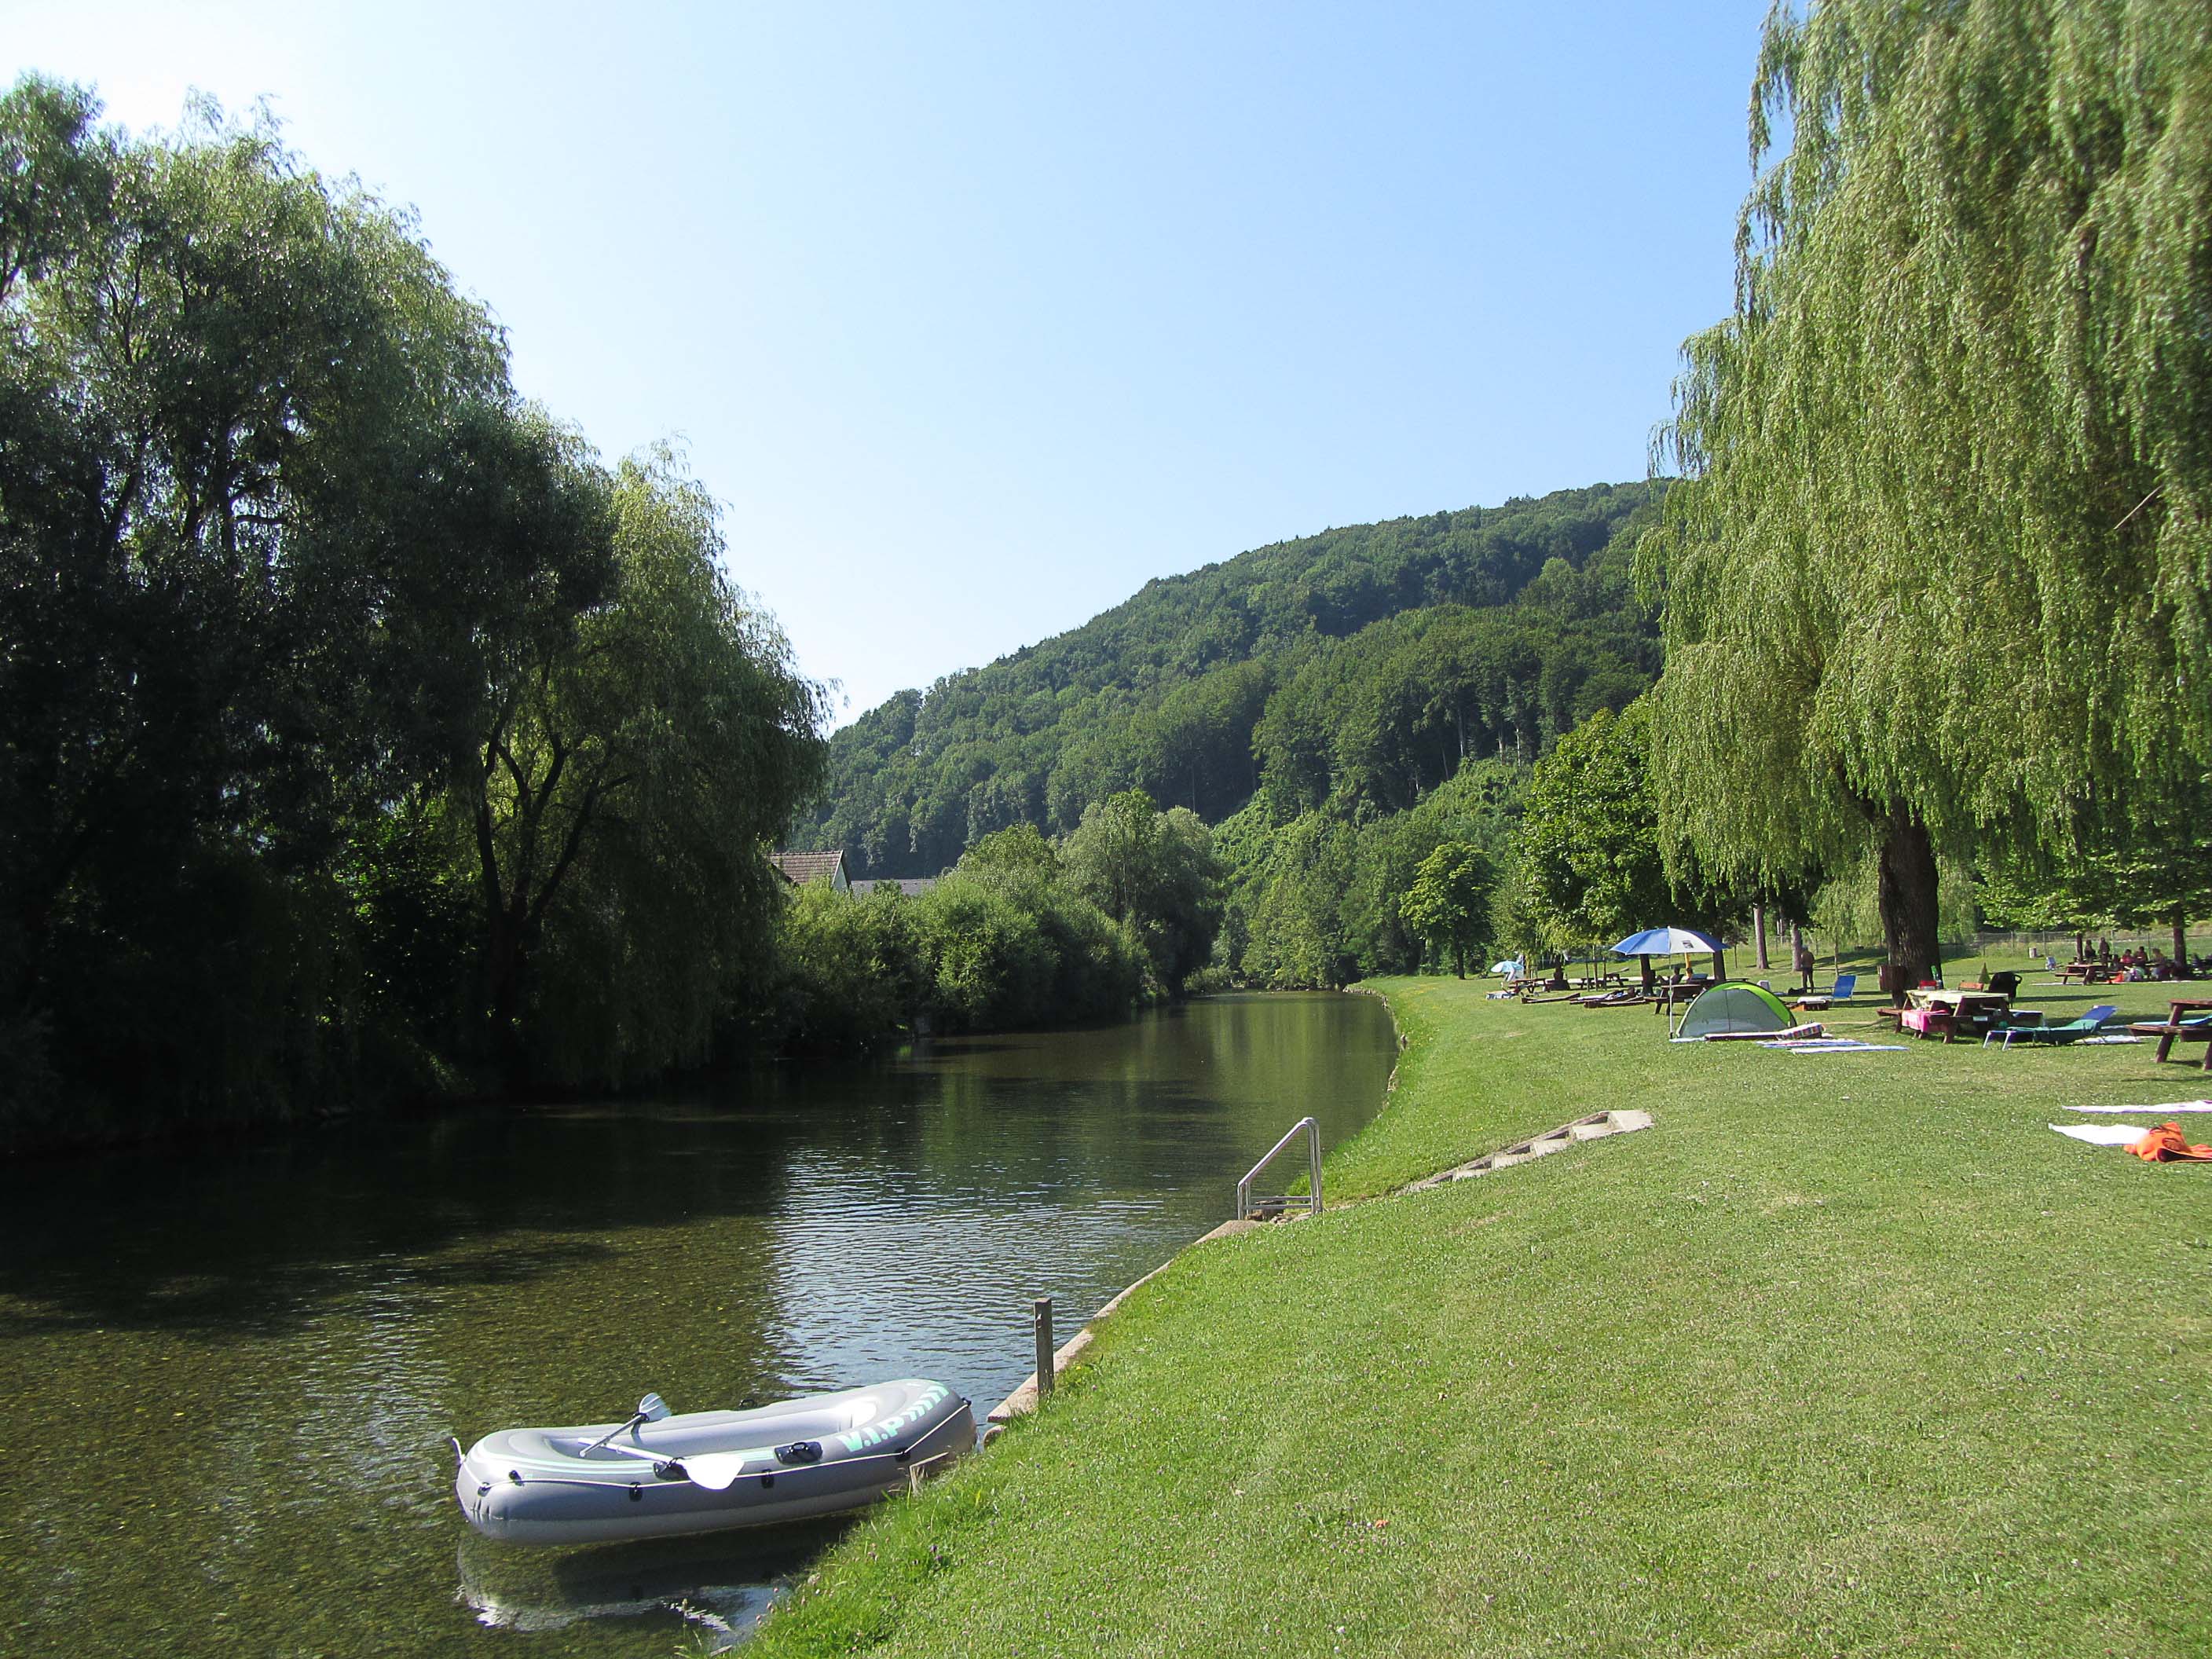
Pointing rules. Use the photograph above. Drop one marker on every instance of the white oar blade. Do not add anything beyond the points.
(715, 1471)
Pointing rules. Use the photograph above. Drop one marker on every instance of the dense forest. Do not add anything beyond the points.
(363, 734)
(1368, 662)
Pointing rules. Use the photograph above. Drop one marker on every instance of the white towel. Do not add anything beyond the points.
(2102, 1134)
(2177, 1106)
(1844, 1046)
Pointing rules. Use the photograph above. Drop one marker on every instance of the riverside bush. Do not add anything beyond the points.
(983, 951)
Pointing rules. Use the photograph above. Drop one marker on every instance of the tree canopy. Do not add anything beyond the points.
(329, 668)
(1155, 873)
(1448, 902)
(630, 770)
(1589, 863)
(1943, 571)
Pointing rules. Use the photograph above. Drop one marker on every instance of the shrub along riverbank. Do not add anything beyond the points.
(1850, 1353)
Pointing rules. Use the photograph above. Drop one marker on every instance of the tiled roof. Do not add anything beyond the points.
(799, 868)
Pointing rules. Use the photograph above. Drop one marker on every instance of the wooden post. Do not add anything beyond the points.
(1041, 1313)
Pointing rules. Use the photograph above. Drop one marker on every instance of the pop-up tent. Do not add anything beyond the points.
(1722, 1008)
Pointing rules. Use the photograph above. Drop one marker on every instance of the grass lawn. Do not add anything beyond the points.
(1847, 1354)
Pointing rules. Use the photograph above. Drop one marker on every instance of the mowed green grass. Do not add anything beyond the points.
(1847, 1354)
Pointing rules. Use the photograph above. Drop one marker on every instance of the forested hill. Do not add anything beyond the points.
(1362, 663)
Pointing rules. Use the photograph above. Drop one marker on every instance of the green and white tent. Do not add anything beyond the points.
(1731, 1007)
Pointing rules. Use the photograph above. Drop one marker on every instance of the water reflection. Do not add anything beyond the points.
(226, 1383)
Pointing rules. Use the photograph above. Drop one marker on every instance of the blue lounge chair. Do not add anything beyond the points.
(1813, 1001)
(2073, 1031)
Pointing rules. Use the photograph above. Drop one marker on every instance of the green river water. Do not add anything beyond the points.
(226, 1381)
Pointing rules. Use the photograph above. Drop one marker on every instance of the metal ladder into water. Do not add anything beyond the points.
(1249, 1205)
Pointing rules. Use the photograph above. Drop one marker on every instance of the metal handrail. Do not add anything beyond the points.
(1312, 1131)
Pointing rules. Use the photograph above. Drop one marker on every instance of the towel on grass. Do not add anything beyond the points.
(1795, 1033)
(2101, 1134)
(2164, 1144)
(1838, 1046)
(2170, 1106)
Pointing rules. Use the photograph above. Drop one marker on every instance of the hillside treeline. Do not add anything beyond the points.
(1338, 707)
(1366, 663)
(361, 732)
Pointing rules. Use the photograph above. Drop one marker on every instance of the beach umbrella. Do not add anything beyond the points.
(1508, 966)
(1671, 942)
(1668, 942)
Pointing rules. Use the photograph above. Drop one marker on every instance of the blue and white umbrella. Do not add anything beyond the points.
(1668, 942)
(1671, 942)
(1510, 965)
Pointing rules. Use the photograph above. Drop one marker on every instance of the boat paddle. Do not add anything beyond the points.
(651, 1409)
(718, 1471)
(715, 1471)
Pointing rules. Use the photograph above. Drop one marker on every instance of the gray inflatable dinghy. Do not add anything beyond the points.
(661, 1475)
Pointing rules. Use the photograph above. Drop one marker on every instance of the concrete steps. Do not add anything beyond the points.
(1595, 1126)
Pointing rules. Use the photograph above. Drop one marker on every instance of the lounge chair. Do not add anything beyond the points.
(1839, 992)
(2073, 1031)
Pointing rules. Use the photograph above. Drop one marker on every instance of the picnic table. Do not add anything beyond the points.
(1961, 1008)
(2089, 973)
(2181, 1006)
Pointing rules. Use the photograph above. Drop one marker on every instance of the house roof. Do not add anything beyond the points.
(912, 886)
(799, 868)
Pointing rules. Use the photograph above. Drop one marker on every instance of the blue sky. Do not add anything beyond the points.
(979, 317)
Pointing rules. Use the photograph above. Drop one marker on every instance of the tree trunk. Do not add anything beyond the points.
(1758, 933)
(2180, 941)
(503, 993)
(1905, 897)
(506, 921)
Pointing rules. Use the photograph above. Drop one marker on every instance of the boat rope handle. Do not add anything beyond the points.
(826, 1463)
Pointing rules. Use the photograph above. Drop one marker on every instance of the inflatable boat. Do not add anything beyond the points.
(665, 1476)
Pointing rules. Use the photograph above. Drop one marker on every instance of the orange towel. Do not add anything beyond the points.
(2166, 1143)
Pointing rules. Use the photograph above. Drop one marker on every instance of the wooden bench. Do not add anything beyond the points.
(2180, 1026)
(2158, 1028)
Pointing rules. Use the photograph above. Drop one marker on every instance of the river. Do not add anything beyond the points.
(226, 1381)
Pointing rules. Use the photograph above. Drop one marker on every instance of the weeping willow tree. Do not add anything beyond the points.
(1943, 574)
